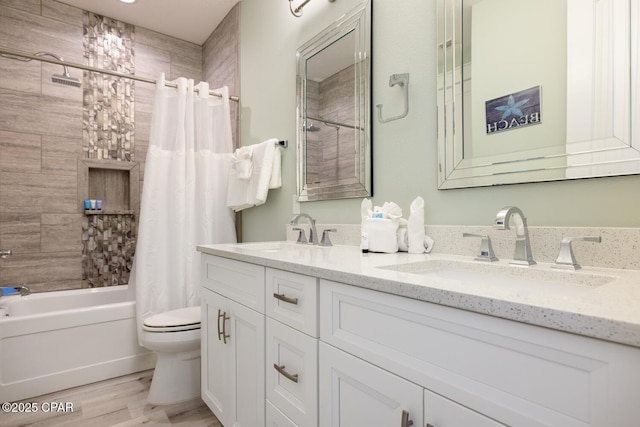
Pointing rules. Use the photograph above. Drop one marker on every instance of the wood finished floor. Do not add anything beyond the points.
(120, 402)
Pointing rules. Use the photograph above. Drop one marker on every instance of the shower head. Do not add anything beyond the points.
(310, 127)
(66, 79)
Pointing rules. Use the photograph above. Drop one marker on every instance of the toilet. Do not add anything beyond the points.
(175, 337)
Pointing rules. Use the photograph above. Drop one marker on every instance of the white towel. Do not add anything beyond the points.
(415, 227)
(246, 193)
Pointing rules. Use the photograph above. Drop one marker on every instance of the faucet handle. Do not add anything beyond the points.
(5, 253)
(566, 259)
(325, 237)
(302, 237)
(485, 253)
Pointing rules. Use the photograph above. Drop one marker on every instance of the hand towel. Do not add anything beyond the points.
(242, 163)
(276, 171)
(246, 193)
(415, 227)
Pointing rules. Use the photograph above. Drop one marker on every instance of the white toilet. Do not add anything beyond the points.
(175, 337)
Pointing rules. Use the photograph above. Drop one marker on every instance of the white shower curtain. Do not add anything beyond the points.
(183, 195)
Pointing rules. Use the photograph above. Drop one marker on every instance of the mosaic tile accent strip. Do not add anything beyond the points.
(108, 246)
(108, 117)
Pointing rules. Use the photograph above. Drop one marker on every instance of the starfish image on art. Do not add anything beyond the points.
(512, 107)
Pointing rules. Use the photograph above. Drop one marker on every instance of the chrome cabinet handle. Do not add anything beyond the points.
(284, 298)
(222, 332)
(287, 375)
(405, 422)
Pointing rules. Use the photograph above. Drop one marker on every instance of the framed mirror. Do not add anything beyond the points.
(539, 91)
(333, 110)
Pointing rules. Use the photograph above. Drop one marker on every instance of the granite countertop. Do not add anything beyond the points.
(603, 303)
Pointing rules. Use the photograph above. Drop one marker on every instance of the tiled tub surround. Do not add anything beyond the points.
(41, 133)
(609, 312)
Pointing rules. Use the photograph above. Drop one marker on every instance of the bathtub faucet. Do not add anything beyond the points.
(13, 290)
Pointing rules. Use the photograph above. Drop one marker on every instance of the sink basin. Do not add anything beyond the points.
(528, 280)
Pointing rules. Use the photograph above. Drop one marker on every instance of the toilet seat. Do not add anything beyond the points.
(182, 319)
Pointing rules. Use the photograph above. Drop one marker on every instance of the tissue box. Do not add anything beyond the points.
(382, 234)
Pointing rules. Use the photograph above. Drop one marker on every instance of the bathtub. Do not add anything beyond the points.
(55, 340)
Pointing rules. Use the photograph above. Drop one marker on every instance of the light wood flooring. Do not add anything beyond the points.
(118, 402)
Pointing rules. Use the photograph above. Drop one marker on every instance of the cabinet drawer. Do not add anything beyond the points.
(236, 280)
(292, 376)
(516, 373)
(293, 300)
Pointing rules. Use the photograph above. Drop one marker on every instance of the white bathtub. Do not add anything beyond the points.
(55, 340)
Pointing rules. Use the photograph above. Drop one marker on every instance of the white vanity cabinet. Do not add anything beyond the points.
(291, 349)
(232, 344)
(474, 369)
(284, 349)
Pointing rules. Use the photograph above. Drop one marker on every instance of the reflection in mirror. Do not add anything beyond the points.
(537, 93)
(334, 137)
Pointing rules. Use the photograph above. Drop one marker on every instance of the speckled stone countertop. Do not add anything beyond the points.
(596, 302)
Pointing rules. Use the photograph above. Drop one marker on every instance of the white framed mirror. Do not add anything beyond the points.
(334, 110)
(540, 91)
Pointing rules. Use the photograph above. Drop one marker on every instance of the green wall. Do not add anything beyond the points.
(404, 151)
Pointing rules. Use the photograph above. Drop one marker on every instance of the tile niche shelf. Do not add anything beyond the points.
(116, 183)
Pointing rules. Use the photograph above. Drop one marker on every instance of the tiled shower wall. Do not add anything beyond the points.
(41, 140)
(331, 151)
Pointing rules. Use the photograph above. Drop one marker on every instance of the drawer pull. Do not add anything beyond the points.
(222, 331)
(287, 375)
(284, 298)
(405, 422)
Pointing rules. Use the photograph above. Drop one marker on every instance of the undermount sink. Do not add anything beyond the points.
(536, 279)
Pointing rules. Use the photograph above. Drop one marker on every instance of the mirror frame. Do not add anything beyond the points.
(358, 21)
(586, 159)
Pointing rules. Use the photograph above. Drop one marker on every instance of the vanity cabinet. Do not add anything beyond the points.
(304, 352)
(477, 367)
(232, 343)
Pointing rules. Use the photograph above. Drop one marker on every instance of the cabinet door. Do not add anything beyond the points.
(441, 412)
(245, 367)
(354, 393)
(214, 353)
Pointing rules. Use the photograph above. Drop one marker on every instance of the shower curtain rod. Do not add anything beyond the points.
(12, 52)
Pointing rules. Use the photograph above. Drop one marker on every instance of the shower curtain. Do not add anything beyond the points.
(183, 195)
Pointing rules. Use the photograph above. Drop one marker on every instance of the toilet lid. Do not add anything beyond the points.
(182, 319)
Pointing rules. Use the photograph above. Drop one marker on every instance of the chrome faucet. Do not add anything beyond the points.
(522, 254)
(313, 236)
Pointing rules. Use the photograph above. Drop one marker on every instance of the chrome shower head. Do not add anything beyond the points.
(66, 79)
(310, 127)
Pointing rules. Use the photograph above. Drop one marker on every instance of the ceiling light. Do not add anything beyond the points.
(128, 1)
